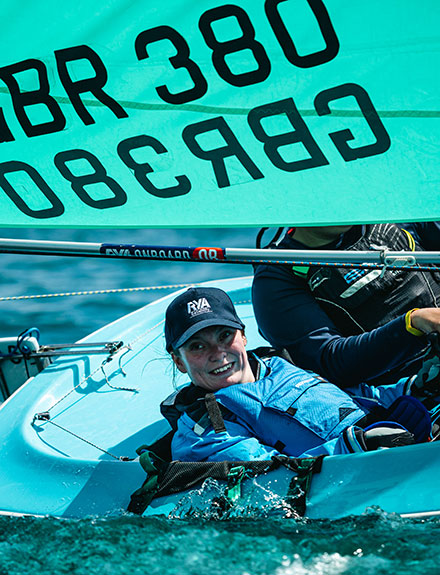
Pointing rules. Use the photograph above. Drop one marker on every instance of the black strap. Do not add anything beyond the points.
(162, 446)
(300, 484)
(279, 446)
(214, 413)
(212, 406)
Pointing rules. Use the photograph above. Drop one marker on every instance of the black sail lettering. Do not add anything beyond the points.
(5, 132)
(142, 169)
(217, 155)
(328, 33)
(180, 60)
(22, 100)
(246, 42)
(56, 209)
(98, 175)
(300, 134)
(94, 84)
(340, 139)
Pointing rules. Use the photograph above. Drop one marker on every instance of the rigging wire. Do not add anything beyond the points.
(45, 416)
(305, 264)
(96, 292)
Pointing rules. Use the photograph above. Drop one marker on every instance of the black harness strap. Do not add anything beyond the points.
(202, 407)
(214, 413)
(212, 406)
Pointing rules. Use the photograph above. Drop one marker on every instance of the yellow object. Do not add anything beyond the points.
(408, 325)
(411, 241)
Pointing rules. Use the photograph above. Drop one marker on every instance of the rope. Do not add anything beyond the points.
(73, 389)
(42, 417)
(45, 416)
(128, 347)
(118, 388)
(95, 292)
(371, 266)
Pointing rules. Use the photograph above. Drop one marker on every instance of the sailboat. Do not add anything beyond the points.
(246, 114)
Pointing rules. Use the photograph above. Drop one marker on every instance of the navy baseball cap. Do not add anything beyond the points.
(196, 309)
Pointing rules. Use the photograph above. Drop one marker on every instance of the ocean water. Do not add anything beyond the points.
(375, 543)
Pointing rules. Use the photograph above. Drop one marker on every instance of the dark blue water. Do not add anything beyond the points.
(375, 543)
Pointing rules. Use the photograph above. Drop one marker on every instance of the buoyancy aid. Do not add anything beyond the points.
(193, 400)
(359, 300)
(287, 408)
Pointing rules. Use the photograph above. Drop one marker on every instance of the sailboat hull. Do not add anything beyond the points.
(69, 437)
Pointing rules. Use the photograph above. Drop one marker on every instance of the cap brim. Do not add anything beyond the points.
(201, 325)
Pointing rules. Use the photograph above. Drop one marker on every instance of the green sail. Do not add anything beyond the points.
(203, 114)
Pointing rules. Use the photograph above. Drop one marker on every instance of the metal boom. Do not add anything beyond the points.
(373, 259)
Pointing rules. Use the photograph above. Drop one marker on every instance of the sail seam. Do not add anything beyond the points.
(240, 111)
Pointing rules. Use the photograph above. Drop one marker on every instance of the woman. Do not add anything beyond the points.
(243, 407)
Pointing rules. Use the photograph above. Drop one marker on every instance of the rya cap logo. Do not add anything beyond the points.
(198, 306)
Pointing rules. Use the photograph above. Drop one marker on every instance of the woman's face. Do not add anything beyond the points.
(214, 358)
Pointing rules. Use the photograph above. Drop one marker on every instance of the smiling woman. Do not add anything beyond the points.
(206, 339)
(242, 406)
(215, 358)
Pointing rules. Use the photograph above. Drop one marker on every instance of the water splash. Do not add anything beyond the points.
(210, 502)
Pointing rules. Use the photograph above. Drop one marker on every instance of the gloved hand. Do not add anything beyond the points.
(412, 415)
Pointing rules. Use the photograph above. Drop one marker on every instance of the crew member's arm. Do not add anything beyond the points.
(289, 316)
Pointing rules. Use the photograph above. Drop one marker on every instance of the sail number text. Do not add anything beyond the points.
(180, 184)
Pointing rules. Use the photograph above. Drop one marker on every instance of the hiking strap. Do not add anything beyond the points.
(300, 484)
(153, 466)
(164, 479)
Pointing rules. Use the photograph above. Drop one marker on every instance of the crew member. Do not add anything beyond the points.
(351, 325)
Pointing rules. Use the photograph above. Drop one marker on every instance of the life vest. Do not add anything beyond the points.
(288, 408)
(198, 403)
(359, 300)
